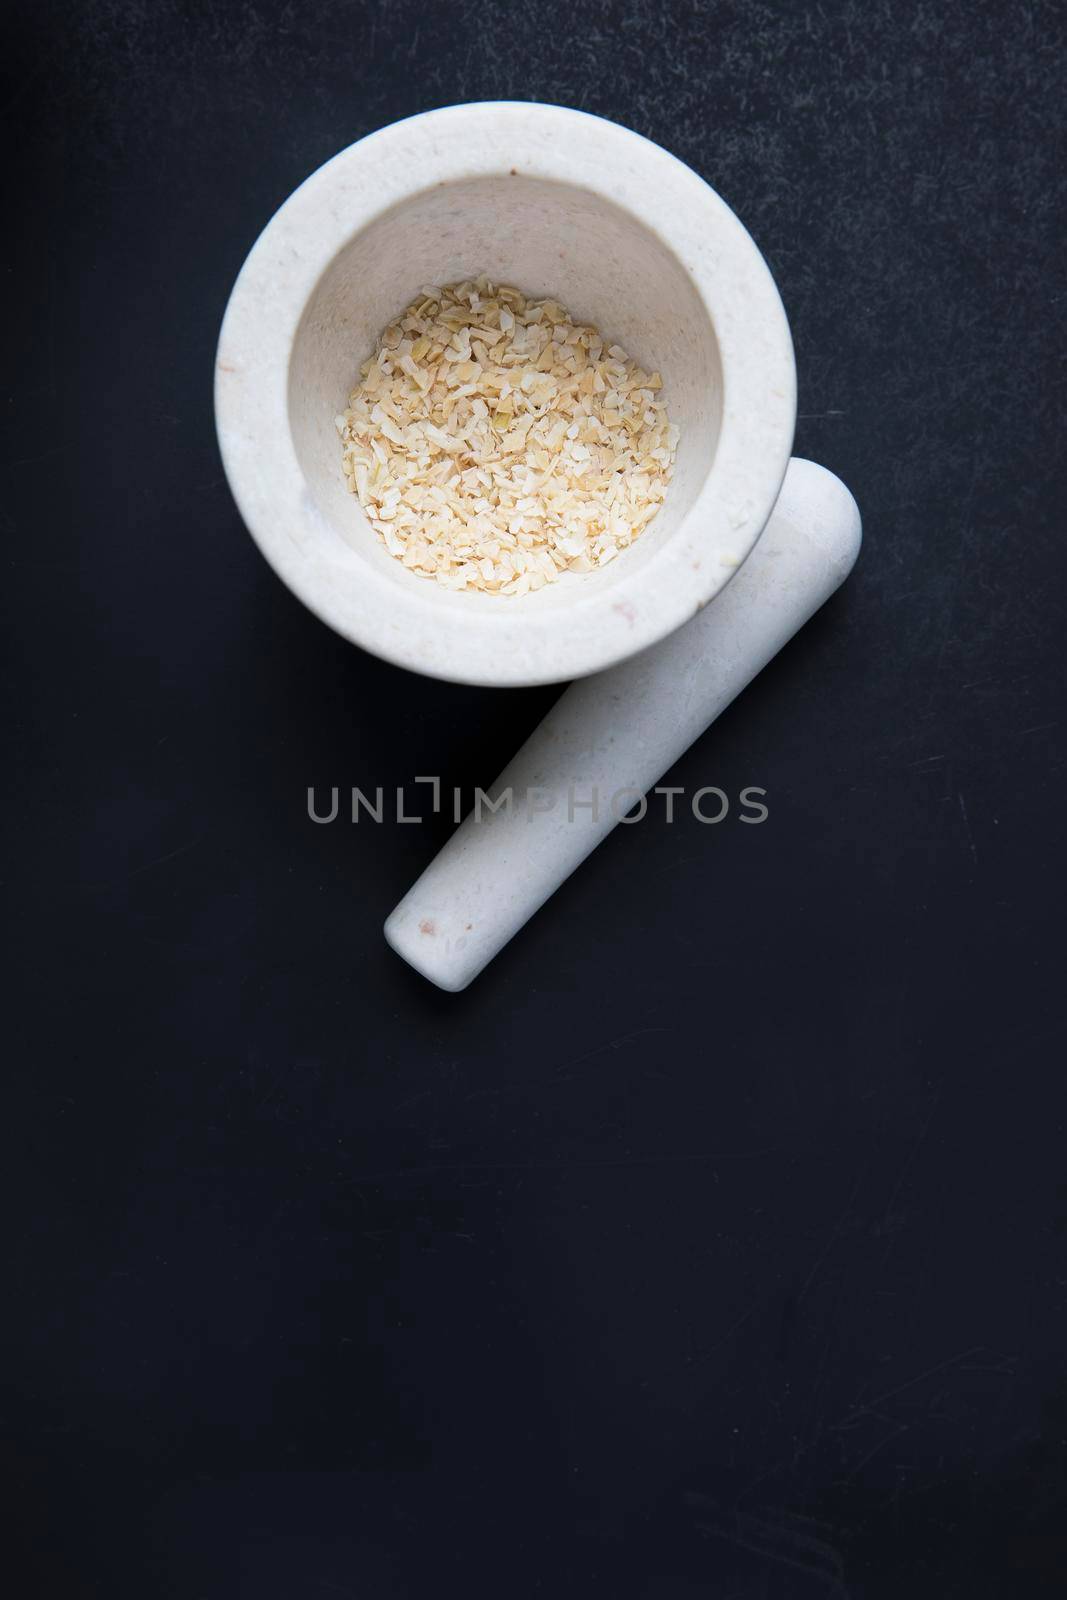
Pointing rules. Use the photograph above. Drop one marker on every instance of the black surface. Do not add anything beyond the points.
(713, 1244)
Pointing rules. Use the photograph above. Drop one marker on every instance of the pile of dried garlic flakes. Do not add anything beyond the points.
(494, 443)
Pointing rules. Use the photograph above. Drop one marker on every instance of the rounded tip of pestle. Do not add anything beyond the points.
(426, 947)
(826, 510)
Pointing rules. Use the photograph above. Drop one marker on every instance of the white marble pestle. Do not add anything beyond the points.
(616, 733)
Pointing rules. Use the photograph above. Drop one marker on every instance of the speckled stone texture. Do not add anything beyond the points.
(711, 1246)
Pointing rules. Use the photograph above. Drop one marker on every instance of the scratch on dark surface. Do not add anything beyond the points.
(895, 1431)
(626, 1163)
(566, 1066)
(411, 1100)
(172, 855)
(147, 866)
(610, 1044)
(967, 827)
(779, 1541)
(25, 461)
(818, 1400)
(984, 683)
(713, 1349)
(1000, 1366)
(831, 1241)
(869, 1408)
(909, 1161)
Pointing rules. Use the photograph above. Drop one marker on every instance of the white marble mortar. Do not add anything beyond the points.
(556, 202)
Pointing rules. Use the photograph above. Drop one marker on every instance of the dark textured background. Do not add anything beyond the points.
(715, 1243)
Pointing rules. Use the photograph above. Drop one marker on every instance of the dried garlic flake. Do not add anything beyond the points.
(494, 444)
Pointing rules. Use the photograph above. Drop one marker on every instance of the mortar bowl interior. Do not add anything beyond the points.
(545, 238)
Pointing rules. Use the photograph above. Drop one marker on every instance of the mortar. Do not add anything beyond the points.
(554, 202)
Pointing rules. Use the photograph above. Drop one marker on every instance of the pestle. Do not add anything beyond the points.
(616, 733)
